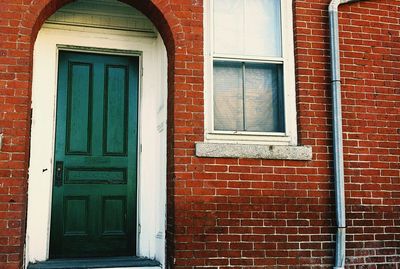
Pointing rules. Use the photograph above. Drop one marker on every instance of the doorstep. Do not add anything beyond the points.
(113, 262)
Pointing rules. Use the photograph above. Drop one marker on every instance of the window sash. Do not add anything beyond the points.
(253, 105)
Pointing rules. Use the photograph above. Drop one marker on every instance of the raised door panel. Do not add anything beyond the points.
(81, 175)
(114, 216)
(76, 213)
(79, 111)
(115, 112)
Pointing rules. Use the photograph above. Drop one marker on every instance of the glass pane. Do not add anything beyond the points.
(263, 98)
(228, 96)
(228, 26)
(263, 28)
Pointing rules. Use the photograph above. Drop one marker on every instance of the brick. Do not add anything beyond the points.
(247, 213)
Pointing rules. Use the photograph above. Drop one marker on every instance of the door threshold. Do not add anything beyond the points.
(86, 263)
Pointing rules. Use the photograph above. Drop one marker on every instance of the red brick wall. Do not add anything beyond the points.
(370, 43)
(371, 64)
(246, 213)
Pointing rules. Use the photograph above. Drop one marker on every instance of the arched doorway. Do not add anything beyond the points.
(105, 30)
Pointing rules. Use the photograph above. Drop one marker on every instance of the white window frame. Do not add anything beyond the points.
(289, 136)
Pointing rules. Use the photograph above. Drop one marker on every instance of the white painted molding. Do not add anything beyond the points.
(106, 14)
(152, 114)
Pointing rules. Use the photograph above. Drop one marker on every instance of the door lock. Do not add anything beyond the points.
(59, 173)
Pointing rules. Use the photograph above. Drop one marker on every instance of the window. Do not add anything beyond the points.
(250, 73)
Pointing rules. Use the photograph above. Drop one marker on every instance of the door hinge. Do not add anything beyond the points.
(139, 228)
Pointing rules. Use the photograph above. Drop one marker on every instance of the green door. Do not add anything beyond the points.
(94, 188)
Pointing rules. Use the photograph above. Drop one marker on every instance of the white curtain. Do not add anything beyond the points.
(255, 104)
(263, 101)
(247, 27)
(228, 96)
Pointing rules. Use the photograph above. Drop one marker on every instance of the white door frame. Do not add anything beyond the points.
(152, 131)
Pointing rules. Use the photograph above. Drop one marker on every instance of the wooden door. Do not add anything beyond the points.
(94, 188)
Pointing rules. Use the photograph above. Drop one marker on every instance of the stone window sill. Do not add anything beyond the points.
(254, 151)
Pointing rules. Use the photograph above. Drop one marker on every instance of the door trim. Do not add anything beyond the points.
(152, 54)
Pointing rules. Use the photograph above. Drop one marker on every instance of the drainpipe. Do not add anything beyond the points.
(340, 252)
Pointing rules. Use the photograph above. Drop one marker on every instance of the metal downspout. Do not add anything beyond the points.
(340, 251)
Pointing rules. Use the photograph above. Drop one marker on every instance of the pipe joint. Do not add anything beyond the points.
(334, 5)
(349, 1)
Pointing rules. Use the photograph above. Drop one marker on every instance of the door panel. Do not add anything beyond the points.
(79, 112)
(116, 111)
(113, 220)
(76, 215)
(94, 191)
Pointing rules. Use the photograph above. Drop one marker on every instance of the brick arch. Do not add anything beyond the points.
(160, 15)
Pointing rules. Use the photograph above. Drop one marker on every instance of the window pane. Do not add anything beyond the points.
(228, 96)
(247, 27)
(263, 98)
(263, 28)
(228, 26)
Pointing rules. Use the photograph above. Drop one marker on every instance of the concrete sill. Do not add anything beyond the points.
(254, 151)
(112, 262)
